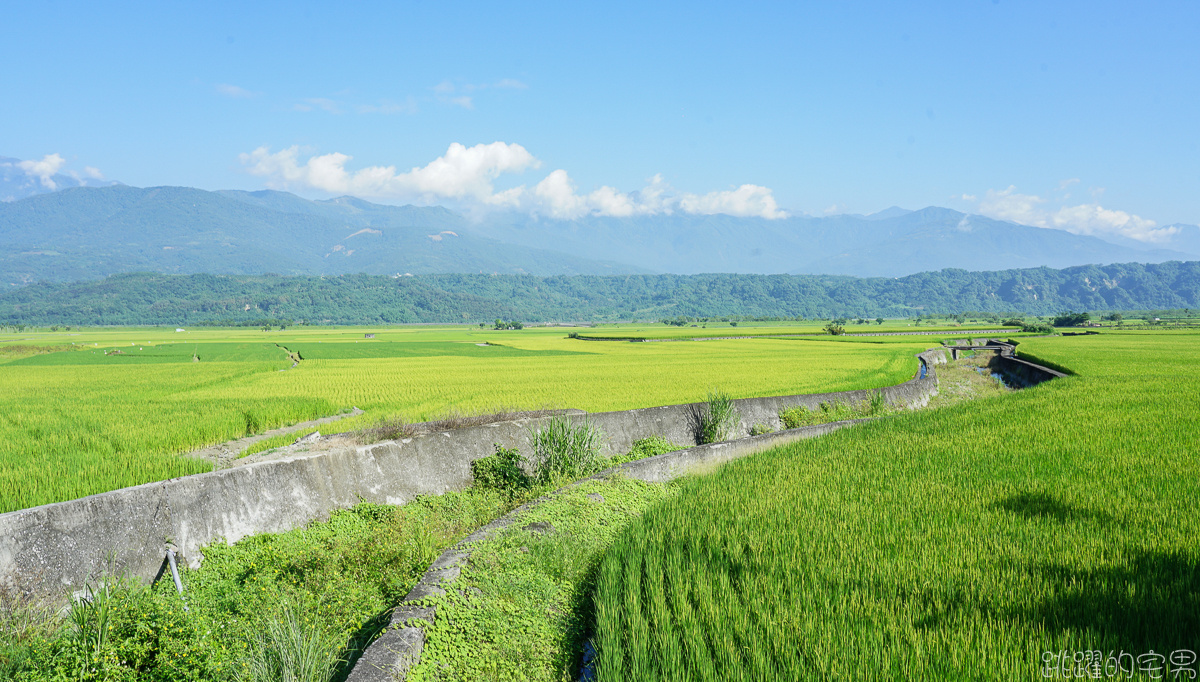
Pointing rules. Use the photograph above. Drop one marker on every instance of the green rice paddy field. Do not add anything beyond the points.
(1004, 538)
(77, 417)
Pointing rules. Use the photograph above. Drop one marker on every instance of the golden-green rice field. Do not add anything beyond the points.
(77, 417)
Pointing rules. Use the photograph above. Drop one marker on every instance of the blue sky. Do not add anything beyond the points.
(1073, 115)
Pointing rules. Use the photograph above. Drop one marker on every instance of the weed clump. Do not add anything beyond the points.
(874, 406)
(716, 419)
(650, 447)
(563, 450)
(760, 429)
(292, 646)
(501, 471)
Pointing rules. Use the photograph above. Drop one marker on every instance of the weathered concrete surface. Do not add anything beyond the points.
(59, 546)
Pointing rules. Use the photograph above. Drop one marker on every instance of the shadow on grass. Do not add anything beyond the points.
(1152, 601)
(1039, 505)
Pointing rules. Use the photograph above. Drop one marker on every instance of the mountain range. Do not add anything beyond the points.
(84, 233)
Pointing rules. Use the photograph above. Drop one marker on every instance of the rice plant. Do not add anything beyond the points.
(960, 543)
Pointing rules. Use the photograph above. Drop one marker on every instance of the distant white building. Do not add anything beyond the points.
(180, 329)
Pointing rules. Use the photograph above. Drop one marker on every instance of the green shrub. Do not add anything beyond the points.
(760, 428)
(501, 471)
(563, 450)
(651, 446)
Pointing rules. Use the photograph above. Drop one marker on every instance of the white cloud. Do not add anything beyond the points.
(44, 170)
(1067, 183)
(747, 200)
(510, 84)
(93, 172)
(235, 91)
(463, 101)
(1094, 219)
(1088, 219)
(1008, 204)
(469, 173)
(461, 173)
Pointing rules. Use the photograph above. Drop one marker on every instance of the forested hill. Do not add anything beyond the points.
(155, 299)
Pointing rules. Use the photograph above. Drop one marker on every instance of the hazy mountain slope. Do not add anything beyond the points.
(891, 243)
(84, 233)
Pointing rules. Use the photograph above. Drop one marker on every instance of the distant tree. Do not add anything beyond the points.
(835, 329)
(879, 320)
(1071, 319)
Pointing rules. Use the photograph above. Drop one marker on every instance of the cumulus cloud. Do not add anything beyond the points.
(1088, 219)
(44, 170)
(461, 173)
(747, 200)
(469, 174)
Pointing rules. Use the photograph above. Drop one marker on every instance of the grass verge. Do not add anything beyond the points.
(521, 608)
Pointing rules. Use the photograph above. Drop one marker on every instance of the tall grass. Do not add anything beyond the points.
(717, 418)
(564, 450)
(293, 647)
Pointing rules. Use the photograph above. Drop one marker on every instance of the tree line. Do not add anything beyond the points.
(158, 299)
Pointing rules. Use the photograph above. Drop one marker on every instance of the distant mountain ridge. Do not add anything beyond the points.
(892, 243)
(84, 233)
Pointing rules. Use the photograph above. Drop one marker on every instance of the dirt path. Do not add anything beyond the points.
(225, 454)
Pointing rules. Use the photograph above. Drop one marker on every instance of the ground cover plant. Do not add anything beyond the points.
(521, 607)
(88, 420)
(971, 542)
(269, 607)
(826, 412)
